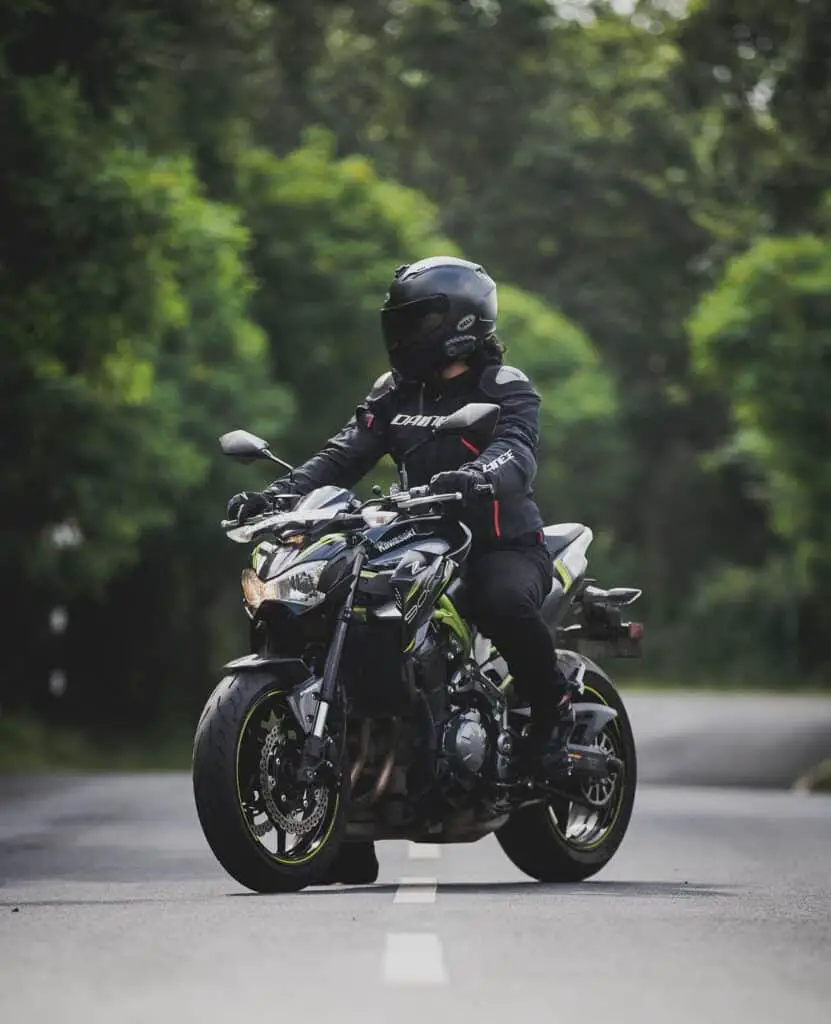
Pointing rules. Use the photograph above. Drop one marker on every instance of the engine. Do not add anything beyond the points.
(464, 743)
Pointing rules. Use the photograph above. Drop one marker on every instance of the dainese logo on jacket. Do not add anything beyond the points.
(403, 420)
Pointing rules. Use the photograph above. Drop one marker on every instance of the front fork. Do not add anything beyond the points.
(314, 749)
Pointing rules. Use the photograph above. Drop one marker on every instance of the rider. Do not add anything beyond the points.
(438, 323)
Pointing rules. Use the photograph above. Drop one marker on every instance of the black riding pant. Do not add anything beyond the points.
(506, 590)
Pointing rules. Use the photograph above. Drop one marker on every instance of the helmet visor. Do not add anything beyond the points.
(411, 324)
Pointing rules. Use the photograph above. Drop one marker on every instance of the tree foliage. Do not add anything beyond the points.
(202, 204)
(763, 333)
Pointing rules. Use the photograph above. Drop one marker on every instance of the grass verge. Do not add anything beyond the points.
(817, 780)
(28, 744)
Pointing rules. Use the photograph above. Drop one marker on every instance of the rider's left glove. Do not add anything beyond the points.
(247, 504)
(470, 483)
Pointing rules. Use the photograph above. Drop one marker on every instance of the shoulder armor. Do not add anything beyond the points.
(497, 381)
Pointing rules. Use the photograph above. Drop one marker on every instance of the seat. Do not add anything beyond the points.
(561, 535)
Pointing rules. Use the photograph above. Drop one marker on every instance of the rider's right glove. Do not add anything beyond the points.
(247, 504)
(469, 482)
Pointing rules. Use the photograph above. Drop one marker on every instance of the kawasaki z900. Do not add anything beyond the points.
(371, 708)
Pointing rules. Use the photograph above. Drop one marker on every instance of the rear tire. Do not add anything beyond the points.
(219, 794)
(533, 837)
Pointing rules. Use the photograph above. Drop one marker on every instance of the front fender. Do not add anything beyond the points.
(258, 662)
(292, 674)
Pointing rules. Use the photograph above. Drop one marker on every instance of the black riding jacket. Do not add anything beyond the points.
(394, 417)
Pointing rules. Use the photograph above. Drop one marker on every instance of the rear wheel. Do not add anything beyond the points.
(269, 833)
(566, 841)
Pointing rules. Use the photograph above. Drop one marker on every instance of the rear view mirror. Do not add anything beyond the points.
(482, 415)
(243, 445)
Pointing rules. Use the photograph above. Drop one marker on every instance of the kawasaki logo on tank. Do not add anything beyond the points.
(399, 538)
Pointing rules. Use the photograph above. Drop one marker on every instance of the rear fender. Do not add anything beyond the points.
(591, 720)
(292, 674)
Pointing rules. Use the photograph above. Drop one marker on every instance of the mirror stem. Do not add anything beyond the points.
(402, 468)
(273, 457)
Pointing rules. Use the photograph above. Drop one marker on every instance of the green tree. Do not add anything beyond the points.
(127, 348)
(762, 337)
(758, 75)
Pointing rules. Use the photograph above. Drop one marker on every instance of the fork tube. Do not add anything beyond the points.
(333, 658)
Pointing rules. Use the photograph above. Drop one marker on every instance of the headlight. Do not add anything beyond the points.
(297, 585)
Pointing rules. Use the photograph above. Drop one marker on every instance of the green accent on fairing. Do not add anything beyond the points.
(506, 682)
(565, 575)
(446, 613)
(268, 853)
(321, 543)
(410, 646)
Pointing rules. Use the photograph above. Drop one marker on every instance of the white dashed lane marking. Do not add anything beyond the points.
(414, 958)
(416, 890)
(424, 851)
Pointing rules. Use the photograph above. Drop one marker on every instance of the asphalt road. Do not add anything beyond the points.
(705, 739)
(717, 907)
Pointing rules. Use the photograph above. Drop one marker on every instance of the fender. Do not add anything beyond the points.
(592, 718)
(257, 662)
(305, 686)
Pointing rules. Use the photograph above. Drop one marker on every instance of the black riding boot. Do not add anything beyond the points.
(355, 864)
(550, 732)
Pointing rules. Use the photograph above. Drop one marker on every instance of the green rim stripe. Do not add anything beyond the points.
(273, 856)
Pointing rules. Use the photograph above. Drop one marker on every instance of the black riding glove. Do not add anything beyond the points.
(247, 504)
(471, 484)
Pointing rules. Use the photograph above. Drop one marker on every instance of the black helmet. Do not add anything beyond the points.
(438, 310)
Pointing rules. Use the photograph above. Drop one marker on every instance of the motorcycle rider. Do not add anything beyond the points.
(438, 323)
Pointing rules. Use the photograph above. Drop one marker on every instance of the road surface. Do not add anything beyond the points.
(717, 908)
(765, 740)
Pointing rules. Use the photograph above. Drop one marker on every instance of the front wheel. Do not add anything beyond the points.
(566, 841)
(270, 834)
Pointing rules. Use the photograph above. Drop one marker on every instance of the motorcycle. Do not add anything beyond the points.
(371, 708)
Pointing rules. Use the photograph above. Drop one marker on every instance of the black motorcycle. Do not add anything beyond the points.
(371, 708)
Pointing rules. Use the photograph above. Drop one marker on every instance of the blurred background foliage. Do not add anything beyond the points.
(203, 200)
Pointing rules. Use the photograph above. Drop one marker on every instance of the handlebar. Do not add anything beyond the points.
(415, 497)
(405, 499)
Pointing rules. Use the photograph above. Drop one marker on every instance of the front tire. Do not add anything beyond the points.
(543, 840)
(245, 732)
